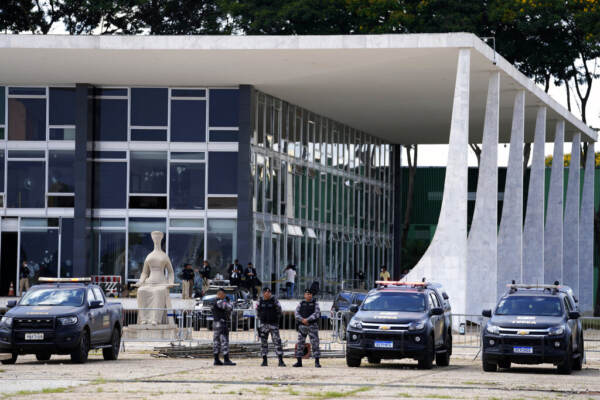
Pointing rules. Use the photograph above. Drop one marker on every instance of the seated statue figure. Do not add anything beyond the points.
(153, 293)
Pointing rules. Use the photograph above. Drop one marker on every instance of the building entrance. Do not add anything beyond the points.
(8, 262)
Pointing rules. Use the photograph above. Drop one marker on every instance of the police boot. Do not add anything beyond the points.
(217, 361)
(317, 363)
(281, 363)
(264, 363)
(298, 363)
(226, 360)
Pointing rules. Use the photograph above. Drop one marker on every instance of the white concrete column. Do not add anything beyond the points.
(510, 236)
(586, 236)
(482, 262)
(533, 232)
(446, 258)
(571, 220)
(553, 230)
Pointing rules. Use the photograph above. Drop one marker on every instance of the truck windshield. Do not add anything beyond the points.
(408, 302)
(53, 297)
(530, 305)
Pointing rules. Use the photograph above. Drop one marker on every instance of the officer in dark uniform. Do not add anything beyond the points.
(221, 313)
(269, 312)
(307, 315)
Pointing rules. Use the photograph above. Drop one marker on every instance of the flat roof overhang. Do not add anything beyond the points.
(396, 87)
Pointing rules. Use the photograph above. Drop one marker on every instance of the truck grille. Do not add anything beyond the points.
(34, 323)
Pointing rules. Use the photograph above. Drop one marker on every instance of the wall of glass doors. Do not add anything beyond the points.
(322, 198)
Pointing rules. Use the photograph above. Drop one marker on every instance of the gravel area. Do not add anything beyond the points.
(136, 375)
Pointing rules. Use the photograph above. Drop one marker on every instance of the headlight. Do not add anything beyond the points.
(6, 322)
(556, 330)
(493, 329)
(67, 320)
(416, 325)
(354, 323)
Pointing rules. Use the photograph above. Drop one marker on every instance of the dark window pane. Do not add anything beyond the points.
(148, 172)
(151, 202)
(220, 243)
(2, 133)
(187, 155)
(186, 247)
(140, 242)
(188, 93)
(60, 171)
(97, 155)
(66, 247)
(222, 173)
(149, 106)
(110, 119)
(223, 136)
(26, 154)
(151, 135)
(1, 170)
(224, 107)
(62, 106)
(2, 104)
(61, 201)
(110, 184)
(220, 203)
(27, 90)
(39, 251)
(62, 133)
(26, 184)
(188, 120)
(109, 92)
(187, 186)
(26, 119)
(108, 253)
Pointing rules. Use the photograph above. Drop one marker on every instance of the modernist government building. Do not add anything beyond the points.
(280, 150)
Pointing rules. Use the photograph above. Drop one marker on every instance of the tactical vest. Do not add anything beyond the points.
(219, 314)
(307, 308)
(268, 312)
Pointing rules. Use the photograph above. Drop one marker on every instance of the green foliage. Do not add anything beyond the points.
(567, 160)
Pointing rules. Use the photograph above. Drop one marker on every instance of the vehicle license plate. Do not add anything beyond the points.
(384, 345)
(34, 336)
(523, 350)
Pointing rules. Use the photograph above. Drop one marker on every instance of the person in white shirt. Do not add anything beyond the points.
(290, 280)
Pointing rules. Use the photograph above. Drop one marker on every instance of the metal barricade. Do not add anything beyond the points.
(466, 330)
(591, 333)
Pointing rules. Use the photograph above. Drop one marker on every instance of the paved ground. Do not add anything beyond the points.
(136, 375)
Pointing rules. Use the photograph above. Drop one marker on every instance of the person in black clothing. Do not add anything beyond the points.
(251, 280)
(187, 281)
(235, 272)
(205, 274)
(269, 312)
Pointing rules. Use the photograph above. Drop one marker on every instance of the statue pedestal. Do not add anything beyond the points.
(154, 332)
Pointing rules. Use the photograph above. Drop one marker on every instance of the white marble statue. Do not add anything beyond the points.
(153, 293)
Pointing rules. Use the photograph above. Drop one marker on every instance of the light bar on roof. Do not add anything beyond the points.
(64, 280)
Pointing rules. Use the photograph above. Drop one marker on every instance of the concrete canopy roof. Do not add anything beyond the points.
(396, 87)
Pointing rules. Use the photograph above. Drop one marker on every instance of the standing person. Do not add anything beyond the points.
(205, 274)
(235, 272)
(384, 275)
(221, 313)
(251, 280)
(307, 315)
(360, 277)
(24, 278)
(187, 281)
(269, 312)
(290, 280)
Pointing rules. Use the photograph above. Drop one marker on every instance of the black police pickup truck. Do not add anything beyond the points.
(400, 320)
(61, 316)
(534, 324)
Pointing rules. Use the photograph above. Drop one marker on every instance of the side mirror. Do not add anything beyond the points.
(574, 315)
(487, 313)
(437, 311)
(445, 296)
(11, 303)
(353, 308)
(95, 304)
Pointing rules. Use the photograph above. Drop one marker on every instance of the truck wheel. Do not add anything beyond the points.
(504, 364)
(566, 366)
(353, 362)
(43, 356)
(11, 360)
(209, 326)
(80, 354)
(112, 353)
(374, 360)
(427, 361)
(487, 365)
(578, 362)
(234, 324)
(344, 330)
(246, 325)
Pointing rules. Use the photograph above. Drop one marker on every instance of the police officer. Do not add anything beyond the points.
(308, 314)
(221, 312)
(269, 311)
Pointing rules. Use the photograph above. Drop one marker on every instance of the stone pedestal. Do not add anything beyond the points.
(150, 332)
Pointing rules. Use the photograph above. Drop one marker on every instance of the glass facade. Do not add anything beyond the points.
(322, 197)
